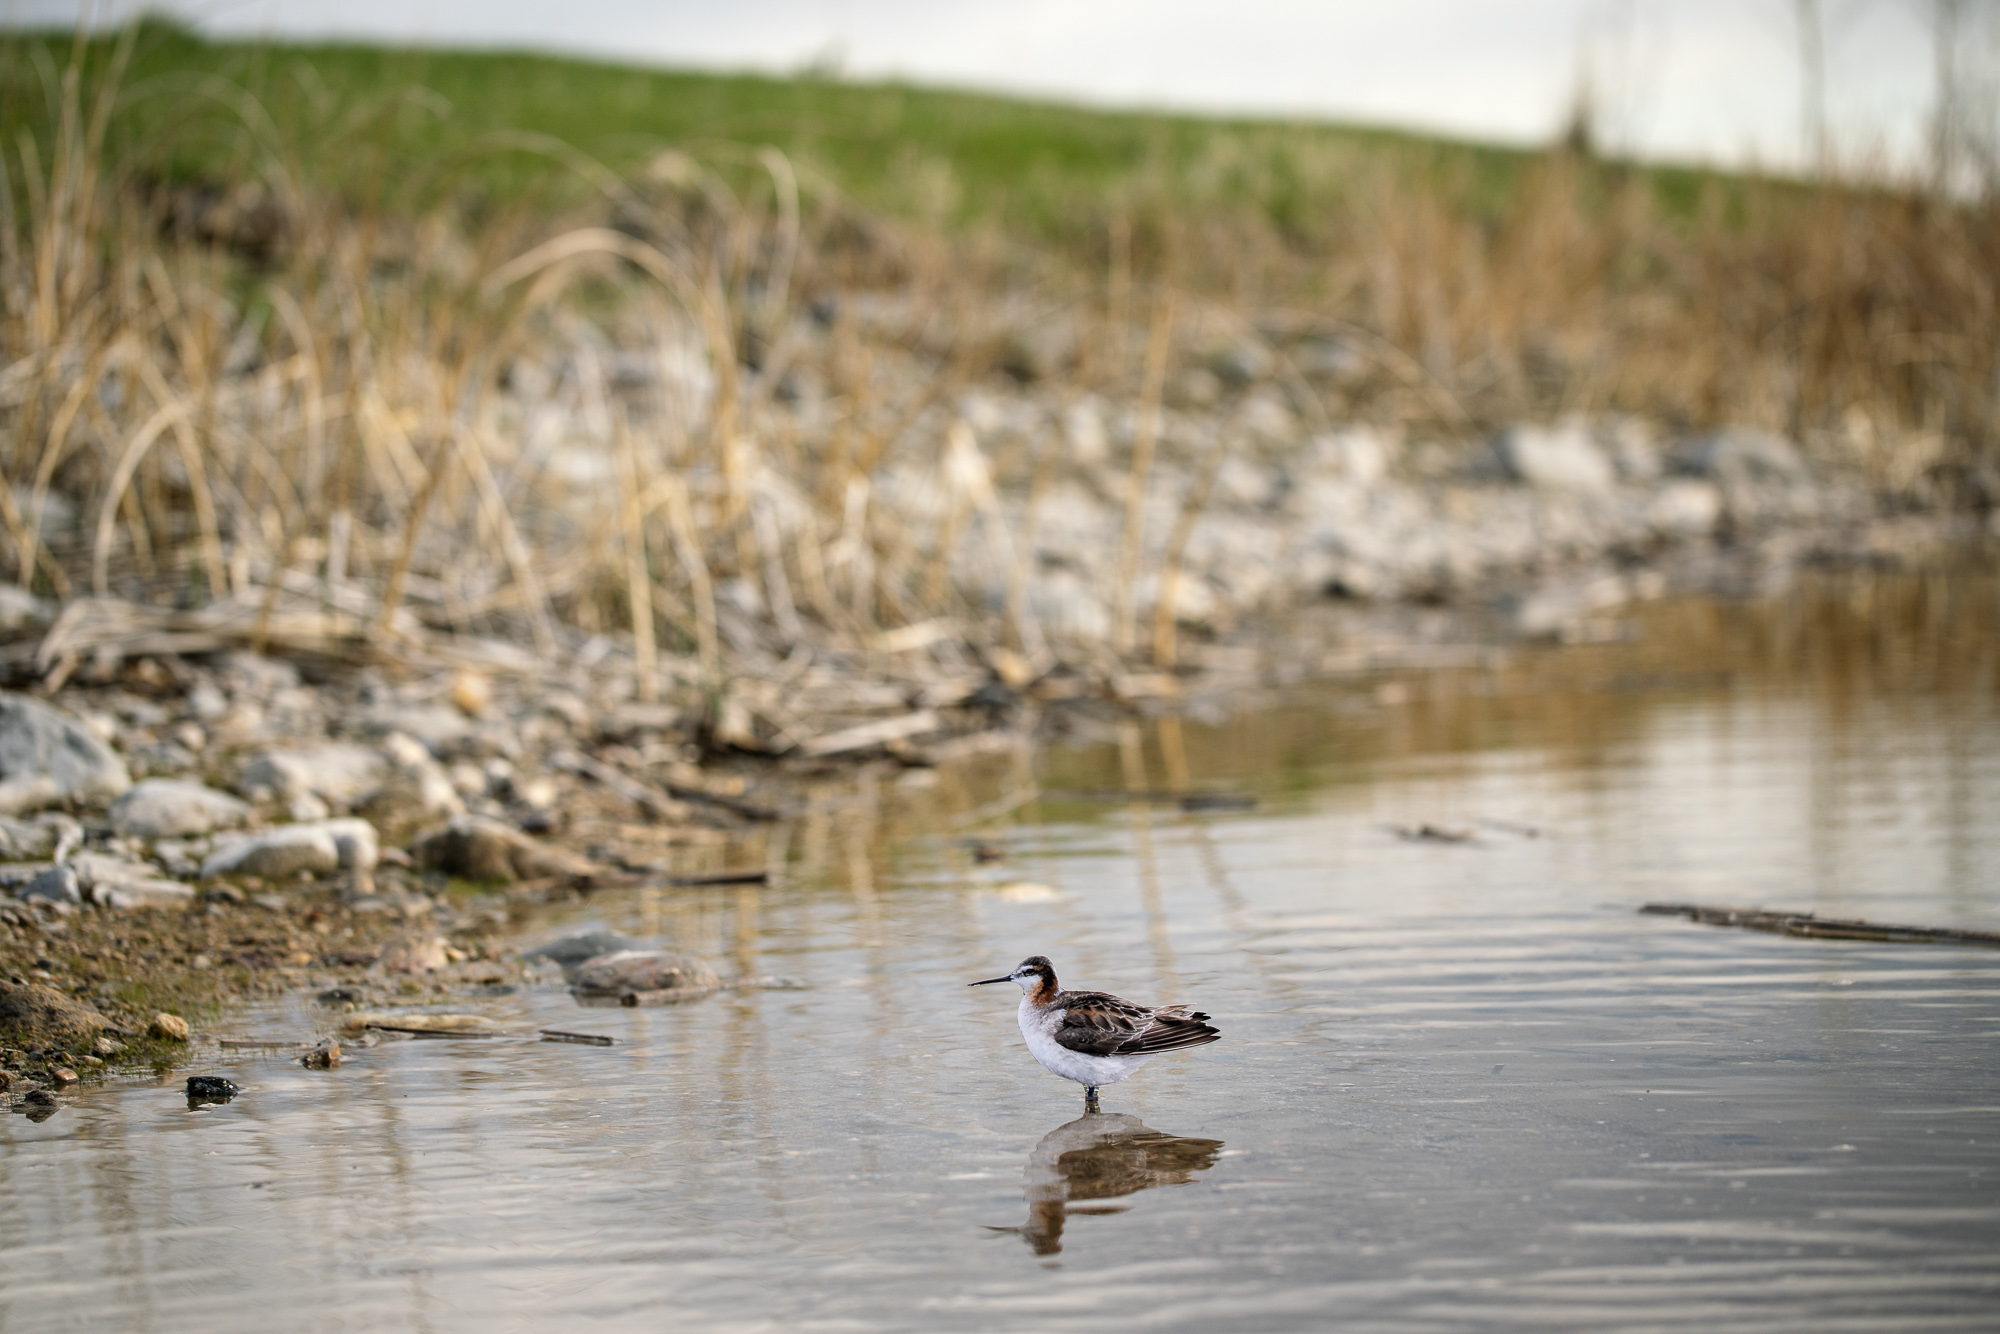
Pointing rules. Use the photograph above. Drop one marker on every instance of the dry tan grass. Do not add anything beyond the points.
(315, 416)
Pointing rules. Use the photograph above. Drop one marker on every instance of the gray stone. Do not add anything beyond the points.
(15, 875)
(175, 808)
(1555, 458)
(206, 701)
(328, 845)
(418, 952)
(439, 726)
(1549, 610)
(630, 971)
(1738, 454)
(334, 772)
(569, 951)
(26, 840)
(114, 882)
(55, 513)
(163, 758)
(417, 789)
(1633, 447)
(58, 884)
(22, 610)
(478, 849)
(257, 677)
(46, 758)
(1242, 362)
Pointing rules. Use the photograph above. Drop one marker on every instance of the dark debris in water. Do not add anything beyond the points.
(1187, 801)
(205, 1089)
(1432, 833)
(1823, 928)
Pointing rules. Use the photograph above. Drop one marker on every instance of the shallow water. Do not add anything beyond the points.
(1463, 1086)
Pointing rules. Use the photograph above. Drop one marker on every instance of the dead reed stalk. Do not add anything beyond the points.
(1145, 439)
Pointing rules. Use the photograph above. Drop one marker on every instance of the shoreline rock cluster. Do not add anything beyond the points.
(215, 782)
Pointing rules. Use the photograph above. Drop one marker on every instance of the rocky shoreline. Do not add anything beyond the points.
(184, 822)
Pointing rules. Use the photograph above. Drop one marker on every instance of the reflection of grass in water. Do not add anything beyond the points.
(1836, 639)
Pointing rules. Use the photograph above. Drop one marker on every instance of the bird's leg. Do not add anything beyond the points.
(1089, 1098)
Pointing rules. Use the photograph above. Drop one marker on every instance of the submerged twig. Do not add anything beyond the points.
(1824, 928)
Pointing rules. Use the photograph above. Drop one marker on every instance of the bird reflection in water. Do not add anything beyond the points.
(1101, 1156)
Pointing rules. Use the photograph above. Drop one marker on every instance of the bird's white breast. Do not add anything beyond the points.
(1039, 1027)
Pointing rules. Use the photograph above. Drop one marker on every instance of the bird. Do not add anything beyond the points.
(1093, 1037)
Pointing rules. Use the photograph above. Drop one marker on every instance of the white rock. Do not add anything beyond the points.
(1356, 454)
(440, 727)
(336, 773)
(1068, 609)
(1685, 508)
(175, 808)
(328, 845)
(1084, 430)
(307, 807)
(1242, 483)
(1556, 458)
(1267, 417)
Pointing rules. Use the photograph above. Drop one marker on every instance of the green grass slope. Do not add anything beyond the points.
(420, 126)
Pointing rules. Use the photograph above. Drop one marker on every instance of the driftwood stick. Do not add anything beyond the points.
(1187, 801)
(1823, 928)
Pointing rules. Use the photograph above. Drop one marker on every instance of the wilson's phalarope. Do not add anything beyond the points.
(1092, 1037)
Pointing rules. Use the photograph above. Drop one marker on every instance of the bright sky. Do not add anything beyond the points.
(1705, 79)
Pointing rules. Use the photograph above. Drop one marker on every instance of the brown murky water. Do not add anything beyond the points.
(1465, 1086)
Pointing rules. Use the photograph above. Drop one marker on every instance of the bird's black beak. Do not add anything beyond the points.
(989, 981)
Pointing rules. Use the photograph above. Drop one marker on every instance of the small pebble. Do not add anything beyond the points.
(471, 692)
(63, 1075)
(169, 1026)
(210, 1086)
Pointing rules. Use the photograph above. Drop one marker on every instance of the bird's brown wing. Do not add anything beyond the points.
(1171, 1032)
(1097, 1024)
